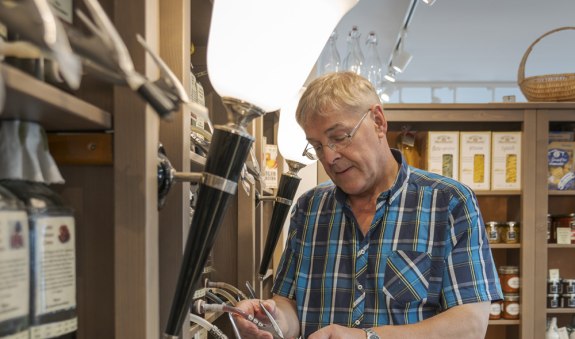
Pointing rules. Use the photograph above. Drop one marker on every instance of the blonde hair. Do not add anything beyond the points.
(345, 91)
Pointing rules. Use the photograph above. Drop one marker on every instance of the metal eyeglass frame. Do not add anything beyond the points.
(334, 145)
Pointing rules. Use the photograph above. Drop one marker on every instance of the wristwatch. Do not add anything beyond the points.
(370, 334)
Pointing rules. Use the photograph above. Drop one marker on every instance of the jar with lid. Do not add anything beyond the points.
(511, 306)
(492, 228)
(554, 286)
(553, 300)
(510, 232)
(495, 310)
(568, 286)
(568, 300)
(509, 277)
(562, 228)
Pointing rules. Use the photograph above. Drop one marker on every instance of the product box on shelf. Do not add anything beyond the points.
(443, 153)
(560, 165)
(475, 159)
(506, 161)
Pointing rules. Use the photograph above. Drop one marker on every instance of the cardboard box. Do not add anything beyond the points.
(560, 165)
(475, 159)
(506, 161)
(443, 153)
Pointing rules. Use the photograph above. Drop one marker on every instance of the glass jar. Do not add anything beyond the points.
(495, 311)
(550, 239)
(568, 286)
(510, 232)
(562, 228)
(492, 228)
(509, 277)
(568, 300)
(553, 300)
(511, 306)
(554, 286)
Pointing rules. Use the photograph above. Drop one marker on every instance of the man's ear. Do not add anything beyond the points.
(380, 121)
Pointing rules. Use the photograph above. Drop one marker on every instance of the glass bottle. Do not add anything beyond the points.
(52, 260)
(373, 67)
(354, 60)
(552, 330)
(14, 267)
(329, 59)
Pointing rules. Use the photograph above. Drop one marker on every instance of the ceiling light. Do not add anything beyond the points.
(428, 2)
(400, 60)
(390, 76)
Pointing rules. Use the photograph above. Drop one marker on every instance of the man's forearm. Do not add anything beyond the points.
(290, 322)
(464, 321)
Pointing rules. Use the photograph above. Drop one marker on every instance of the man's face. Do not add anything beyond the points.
(354, 168)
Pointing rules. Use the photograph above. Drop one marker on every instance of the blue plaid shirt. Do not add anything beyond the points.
(426, 251)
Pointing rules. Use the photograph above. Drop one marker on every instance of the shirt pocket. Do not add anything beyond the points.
(407, 276)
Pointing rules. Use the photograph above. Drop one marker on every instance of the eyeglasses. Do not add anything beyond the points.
(335, 143)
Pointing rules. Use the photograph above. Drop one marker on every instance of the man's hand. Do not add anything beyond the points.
(248, 329)
(336, 332)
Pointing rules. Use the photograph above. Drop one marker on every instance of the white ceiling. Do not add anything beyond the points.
(469, 40)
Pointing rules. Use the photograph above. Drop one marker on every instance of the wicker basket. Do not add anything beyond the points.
(549, 87)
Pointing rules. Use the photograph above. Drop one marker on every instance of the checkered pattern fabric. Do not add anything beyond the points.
(426, 251)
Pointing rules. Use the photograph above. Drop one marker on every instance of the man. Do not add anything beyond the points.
(385, 250)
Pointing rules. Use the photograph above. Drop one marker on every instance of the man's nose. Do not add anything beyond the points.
(330, 156)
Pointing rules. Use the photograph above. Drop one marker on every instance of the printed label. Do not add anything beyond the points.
(512, 309)
(54, 329)
(14, 265)
(55, 267)
(513, 282)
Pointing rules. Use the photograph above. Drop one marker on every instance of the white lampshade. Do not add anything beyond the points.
(401, 59)
(261, 51)
(291, 137)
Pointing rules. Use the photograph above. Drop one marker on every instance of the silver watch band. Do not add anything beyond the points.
(370, 334)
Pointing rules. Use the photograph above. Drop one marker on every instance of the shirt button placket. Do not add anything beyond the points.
(359, 291)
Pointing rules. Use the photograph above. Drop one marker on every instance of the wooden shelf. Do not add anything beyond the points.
(504, 322)
(561, 245)
(30, 99)
(561, 193)
(561, 310)
(482, 193)
(504, 246)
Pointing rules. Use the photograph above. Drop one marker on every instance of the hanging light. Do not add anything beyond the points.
(390, 76)
(401, 59)
(257, 59)
(291, 143)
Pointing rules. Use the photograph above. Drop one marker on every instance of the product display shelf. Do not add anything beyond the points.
(33, 100)
(495, 205)
(552, 202)
(126, 262)
(561, 310)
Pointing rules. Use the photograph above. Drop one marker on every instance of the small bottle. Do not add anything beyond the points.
(373, 67)
(552, 330)
(329, 60)
(354, 61)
